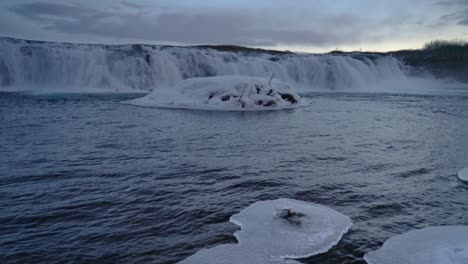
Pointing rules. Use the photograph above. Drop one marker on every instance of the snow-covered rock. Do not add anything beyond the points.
(433, 245)
(277, 231)
(224, 93)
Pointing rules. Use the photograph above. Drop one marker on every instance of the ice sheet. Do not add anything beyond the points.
(278, 231)
(433, 245)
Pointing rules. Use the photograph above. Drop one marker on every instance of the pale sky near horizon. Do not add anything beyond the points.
(299, 25)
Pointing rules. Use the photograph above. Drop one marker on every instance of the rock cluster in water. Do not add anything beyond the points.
(224, 93)
(248, 94)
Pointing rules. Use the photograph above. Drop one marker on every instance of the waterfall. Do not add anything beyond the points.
(147, 67)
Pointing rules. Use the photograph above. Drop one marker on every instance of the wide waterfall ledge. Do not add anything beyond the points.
(463, 174)
(278, 231)
(433, 245)
(228, 93)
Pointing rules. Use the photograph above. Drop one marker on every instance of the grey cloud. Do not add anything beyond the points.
(176, 27)
(458, 17)
(444, 3)
(452, 17)
(218, 27)
(133, 5)
(40, 11)
(463, 22)
(451, 2)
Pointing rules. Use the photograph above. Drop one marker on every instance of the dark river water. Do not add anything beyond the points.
(84, 178)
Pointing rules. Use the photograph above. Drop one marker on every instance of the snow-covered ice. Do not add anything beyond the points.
(277, 231)
(463, 174)
(433, 245)
(224, 93)
(311, 230)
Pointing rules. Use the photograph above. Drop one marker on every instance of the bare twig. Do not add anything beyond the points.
(245, 86)
(271, 79)
(250, 92)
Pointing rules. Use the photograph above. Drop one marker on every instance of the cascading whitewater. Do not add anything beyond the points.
(145, 67)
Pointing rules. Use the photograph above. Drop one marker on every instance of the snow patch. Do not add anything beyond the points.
(463, 174)
(278, 231)
(433, 245)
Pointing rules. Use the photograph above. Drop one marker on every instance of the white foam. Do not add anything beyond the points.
(433, 245)
(463, 174)
(39, 66)
(239, 93)
(81, 66)
(266, 237)
(72, 90)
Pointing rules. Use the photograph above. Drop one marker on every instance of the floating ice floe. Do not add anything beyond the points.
(433, 245)
(238, 93)
(278, 231)
(463, 174)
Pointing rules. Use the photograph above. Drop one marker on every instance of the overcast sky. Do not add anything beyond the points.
(304, 25)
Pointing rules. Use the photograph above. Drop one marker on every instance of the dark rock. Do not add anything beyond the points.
(289, 97)
(228, 59)
(270, 92)
(26, 51)
(237, 49)
(259, 102)
(6, 78)
(270, 103)
(225, 98)
(290, 215)
(148, 59)
(258, 89)
(137, 47)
